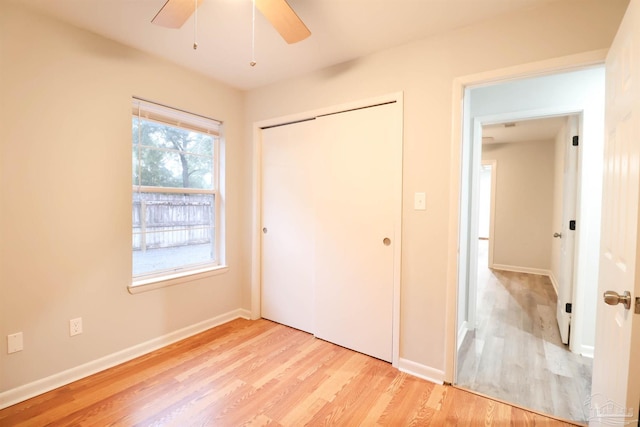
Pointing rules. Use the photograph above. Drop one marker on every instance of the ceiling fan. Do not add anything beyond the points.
(175, 13)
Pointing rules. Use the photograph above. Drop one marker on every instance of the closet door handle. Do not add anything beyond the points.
(386, 241)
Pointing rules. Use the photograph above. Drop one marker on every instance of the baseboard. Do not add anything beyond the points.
(518, 269)
(35, 388)
(421, 371)
(462, 333)
(587, 351)
(554, 282)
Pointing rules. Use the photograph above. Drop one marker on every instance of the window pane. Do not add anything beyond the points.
(160, 168)
(172, 231)
(169, 137)
(199, 172)
(171, 157)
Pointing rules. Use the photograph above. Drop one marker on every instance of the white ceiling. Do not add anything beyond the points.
(527, 130)
(341, 30)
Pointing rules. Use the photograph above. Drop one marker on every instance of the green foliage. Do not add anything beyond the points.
(167, 156)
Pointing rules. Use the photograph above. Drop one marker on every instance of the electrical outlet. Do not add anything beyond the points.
(75, 326)
(14, 343)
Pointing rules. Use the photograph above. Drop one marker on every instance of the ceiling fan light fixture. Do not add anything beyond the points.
(175, 13)
(284, 19)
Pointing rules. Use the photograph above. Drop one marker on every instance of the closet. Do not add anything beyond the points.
(331, 209)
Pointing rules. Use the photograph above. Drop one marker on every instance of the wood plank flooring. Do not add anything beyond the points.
(254, 373)
(515, 353)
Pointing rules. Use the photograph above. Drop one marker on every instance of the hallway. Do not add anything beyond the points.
(515, 353)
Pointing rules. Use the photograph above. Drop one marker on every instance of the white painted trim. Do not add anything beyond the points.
(587, 351)
(462, 333)
(397, 231)
(549, 66)
(421, 371)
(174, 279)
(472, 238)
(519, 269)
(492, 214)
(256, 232)
(560, 64)
(35, 388)
(554, 282)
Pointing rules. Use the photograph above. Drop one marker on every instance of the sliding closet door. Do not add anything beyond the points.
(288, 165)
(357, 204)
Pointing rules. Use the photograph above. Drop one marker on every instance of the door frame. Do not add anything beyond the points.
(472, 296)
(460, 84)
(492, 205)
(256, 215)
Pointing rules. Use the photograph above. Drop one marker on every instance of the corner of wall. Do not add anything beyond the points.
(421, 371)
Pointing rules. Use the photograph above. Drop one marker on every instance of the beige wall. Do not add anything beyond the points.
(65, 196)
(425, 71)
(524, 204)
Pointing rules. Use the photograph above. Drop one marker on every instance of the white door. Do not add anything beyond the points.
(288, 224)
(616, 368)
(358, 201)
(567, 236)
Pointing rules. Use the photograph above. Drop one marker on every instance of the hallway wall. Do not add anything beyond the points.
(524, 204)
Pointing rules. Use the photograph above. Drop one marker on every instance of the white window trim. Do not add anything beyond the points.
(149, 284)
(180, 118)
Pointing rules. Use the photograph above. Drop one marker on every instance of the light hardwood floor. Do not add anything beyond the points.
(515, 353)
(260, 373)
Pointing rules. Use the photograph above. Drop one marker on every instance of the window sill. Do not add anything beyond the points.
(145, 285)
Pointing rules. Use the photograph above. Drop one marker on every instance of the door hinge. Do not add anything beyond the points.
(572, 224)
(637, 309)
(575, 140)
(567, 307)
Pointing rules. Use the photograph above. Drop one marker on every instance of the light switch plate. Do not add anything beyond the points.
(420, 201)
(14, 343)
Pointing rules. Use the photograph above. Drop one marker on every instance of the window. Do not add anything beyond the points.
(176, 195)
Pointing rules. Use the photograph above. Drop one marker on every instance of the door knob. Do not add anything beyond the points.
(614, 298)
(557, 235)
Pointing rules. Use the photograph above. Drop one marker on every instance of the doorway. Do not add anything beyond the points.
(577, 92)
(515, 351)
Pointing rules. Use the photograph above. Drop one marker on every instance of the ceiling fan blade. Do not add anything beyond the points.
(284, 20)
(175, 13)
